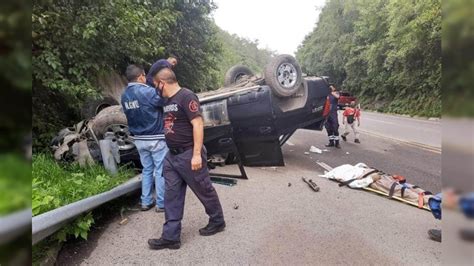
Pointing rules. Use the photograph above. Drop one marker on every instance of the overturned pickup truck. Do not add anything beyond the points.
(245, 122)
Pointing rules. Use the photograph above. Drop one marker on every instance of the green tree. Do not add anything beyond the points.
(76, 42)
(387, 52)
(458, 58)
(237, 50)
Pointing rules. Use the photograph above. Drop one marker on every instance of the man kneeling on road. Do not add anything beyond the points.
(185, 164)
(143, 108)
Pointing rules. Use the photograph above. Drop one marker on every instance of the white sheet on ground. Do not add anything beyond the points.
(347, 172)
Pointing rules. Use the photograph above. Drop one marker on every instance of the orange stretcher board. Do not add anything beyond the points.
(329, 168)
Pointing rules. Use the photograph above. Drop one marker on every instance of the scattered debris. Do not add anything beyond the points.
(311, 184)
(315, 150)
(123, 221)
(223, 181)
(306, 152)
(289, 143)
(325, 150)
(274, 168)
(292, 150)
(289, 184)
(347, 152)
(236, 206)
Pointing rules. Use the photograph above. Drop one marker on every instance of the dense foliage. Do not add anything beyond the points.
(77, 42)
(458, 58)
(74, 41)
(15, 73)
(238, 50)
(387, 52)
(55, 185)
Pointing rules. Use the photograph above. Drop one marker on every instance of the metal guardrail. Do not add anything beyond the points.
(14, 225)
(47, 223)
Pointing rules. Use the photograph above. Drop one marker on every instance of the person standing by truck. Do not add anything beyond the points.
(350, 115)
(185, 164)
(142, 107)
(332, 124)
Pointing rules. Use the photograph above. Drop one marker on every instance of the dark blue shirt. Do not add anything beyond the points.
(143, 108)
(155, 68)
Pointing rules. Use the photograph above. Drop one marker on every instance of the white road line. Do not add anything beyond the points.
(380, 121)
(412, 119)
(410, 143)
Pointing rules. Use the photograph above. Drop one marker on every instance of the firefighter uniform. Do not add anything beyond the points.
(332, 124)
(179, 110)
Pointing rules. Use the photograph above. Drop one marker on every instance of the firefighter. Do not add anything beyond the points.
(185, 164)
(332, 124)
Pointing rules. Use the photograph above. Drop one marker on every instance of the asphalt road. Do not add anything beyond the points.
(278, 224)
(412, 130)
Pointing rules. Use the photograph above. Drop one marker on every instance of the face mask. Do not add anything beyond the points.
(160, 90)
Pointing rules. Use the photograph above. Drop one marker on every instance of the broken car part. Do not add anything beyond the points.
(311, 184)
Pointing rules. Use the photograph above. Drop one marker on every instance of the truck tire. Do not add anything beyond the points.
(112, 119)
(93, 106)
(233, 75)
(283, 75)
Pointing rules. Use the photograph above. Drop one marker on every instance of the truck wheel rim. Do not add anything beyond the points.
(286, 75)
(121, 134)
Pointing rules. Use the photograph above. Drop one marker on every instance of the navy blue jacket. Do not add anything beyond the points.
(157, 66)
(143, 108)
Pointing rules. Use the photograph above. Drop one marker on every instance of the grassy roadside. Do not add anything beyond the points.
(15, 178)
(56, 184)
(15, 188)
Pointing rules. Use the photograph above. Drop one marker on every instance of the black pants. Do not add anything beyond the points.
(178, 175)
(332, 126)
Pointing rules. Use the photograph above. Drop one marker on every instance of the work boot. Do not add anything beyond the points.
(146, 207)
(357, 141)
(435, 234)
(330, 144)
(344, 137)
(337, 145)
(163, 243)
(212, 229)
(158, 209)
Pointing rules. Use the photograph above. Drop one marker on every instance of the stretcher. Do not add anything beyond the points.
(329, 168)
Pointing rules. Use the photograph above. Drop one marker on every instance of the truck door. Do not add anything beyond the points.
(253, 122)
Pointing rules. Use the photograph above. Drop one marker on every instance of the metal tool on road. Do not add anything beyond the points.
(311, 184)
